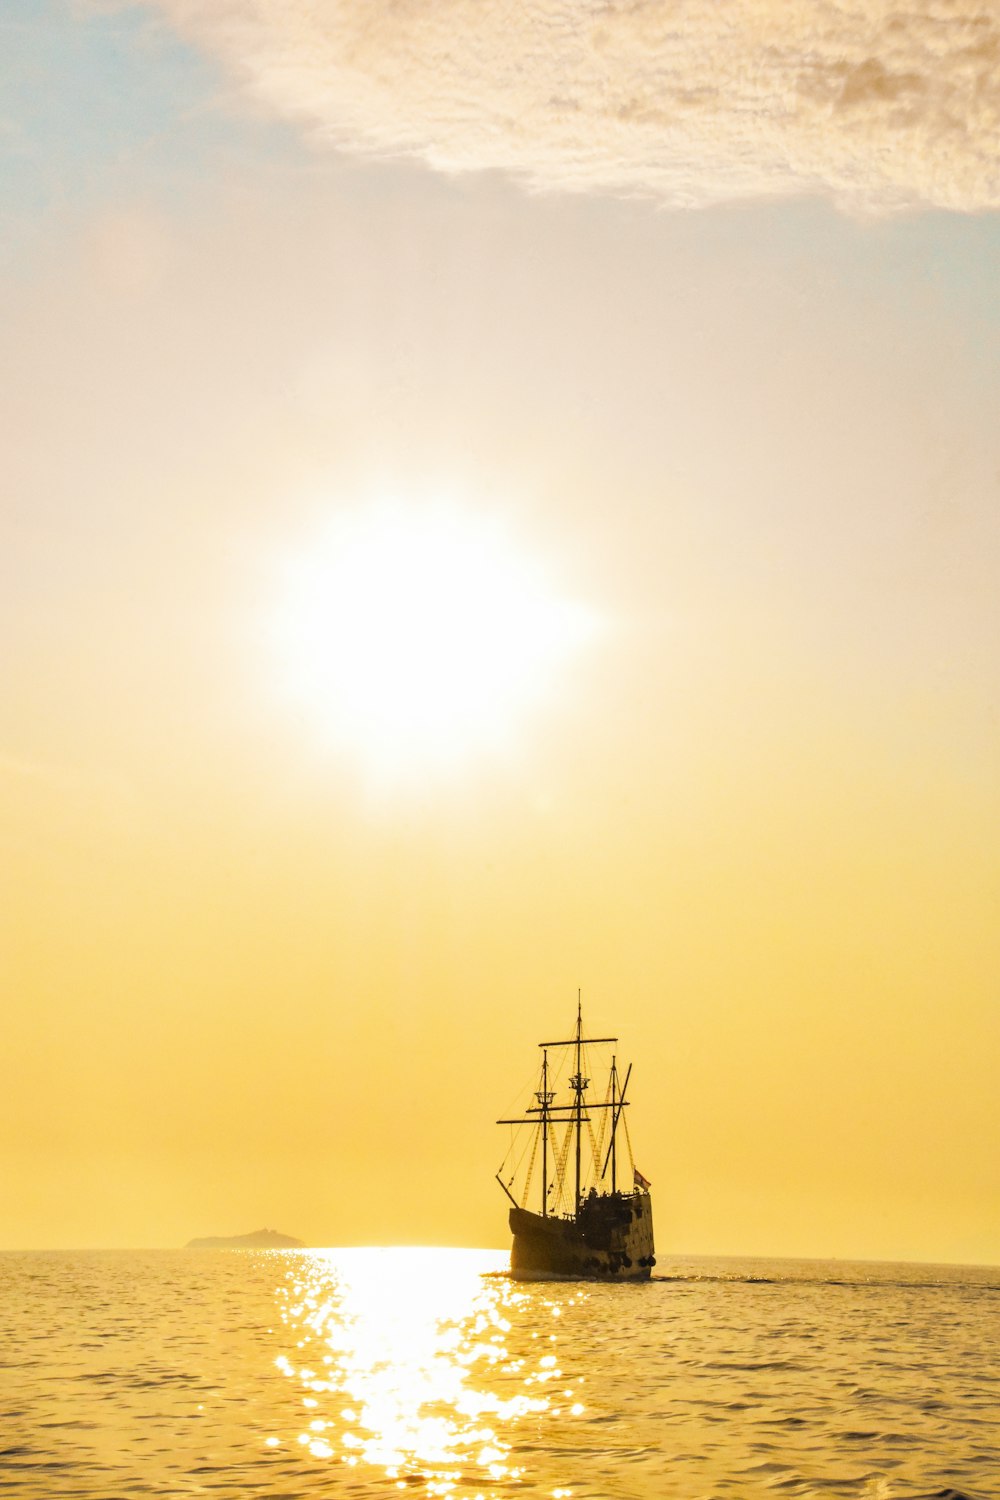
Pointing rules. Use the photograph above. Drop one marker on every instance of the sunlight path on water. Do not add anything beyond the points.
(390, 1349)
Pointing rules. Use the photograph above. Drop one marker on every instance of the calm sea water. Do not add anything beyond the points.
(372, 1372)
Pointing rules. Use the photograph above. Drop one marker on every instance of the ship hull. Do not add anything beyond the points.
(610, 1239)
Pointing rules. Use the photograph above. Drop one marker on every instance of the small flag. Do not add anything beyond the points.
(639, 1180)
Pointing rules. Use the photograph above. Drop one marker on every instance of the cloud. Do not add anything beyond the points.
(878, 105)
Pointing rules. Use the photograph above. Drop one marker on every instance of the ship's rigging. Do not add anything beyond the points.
(577, 1140)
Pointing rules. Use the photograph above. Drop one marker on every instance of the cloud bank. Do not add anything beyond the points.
(878, 105)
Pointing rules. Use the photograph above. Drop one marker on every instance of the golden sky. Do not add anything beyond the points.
(671, 467)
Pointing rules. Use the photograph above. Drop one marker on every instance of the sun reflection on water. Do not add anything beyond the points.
(404, 1363)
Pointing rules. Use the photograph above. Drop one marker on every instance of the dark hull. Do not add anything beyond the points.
(610, 1239)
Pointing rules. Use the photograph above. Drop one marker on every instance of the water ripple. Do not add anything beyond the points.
(358, 1374)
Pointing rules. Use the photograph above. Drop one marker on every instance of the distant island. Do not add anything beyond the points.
(259, 1239)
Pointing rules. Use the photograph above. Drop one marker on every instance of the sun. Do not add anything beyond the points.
(421, 635)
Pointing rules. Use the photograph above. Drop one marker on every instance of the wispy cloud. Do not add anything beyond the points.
(878, 104)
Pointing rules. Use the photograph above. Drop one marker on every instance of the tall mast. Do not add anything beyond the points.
(614, 1099)
(544, 1101)
(578, 1085)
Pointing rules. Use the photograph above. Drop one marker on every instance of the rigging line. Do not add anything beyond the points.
(601, 1133)
(531, 1168)
(525, 1091)
(529, 1144)
(522, 1139)
(564, 1151)
(628, 1142)
(552, 1144)
(557, 1084)
(562, 1159)
(554, 1184)
(560, 1065)
(595, 1157)
(513, 1141)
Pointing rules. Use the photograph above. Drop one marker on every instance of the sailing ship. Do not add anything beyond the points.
(586, 1224)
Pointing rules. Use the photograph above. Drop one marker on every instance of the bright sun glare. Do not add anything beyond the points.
(420, 635)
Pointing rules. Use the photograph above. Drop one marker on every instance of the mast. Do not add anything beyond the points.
(614, 1093)
(578, 1085)
(616, 1112)
(544, 1100)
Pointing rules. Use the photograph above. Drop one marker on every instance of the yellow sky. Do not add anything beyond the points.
(754, 816)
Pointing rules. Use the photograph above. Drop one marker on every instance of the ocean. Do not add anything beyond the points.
(368, 1373)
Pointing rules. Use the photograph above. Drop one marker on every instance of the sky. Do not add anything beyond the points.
(498, 501)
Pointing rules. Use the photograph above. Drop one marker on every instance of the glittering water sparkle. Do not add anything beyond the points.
(390, 1348)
